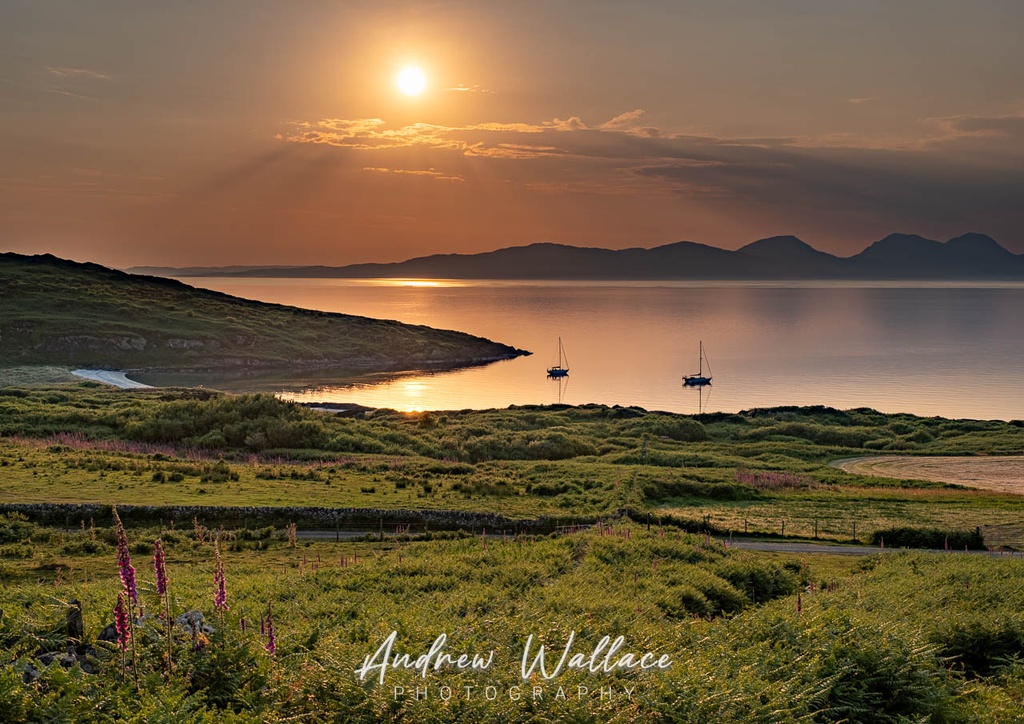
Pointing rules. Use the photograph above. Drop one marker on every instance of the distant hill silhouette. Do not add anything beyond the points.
(897, 256)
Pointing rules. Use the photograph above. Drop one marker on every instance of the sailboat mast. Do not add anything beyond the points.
(700, 360)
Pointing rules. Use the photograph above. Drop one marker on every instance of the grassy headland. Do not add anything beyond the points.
(58, 312)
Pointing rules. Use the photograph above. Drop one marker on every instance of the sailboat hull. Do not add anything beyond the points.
(558, 370)
(699, 379)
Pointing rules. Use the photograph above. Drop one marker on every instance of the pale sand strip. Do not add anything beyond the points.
(1004, 474)
(110, 377)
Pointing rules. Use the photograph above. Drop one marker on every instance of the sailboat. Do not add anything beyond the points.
(559, 370)
(699, 379)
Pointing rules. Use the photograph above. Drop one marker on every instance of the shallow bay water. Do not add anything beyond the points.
(953, 350)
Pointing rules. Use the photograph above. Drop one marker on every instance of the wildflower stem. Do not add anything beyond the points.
(135, 656)
(167, 617)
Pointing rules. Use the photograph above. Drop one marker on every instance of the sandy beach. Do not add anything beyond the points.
(1003, 474)
(110, 377)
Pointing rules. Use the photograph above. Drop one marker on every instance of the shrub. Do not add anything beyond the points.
(758, 582)
(15, 527)
(980, 646)
(930, 538)
(80, 546)
(681, 429)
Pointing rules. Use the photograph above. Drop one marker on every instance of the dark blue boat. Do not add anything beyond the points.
(558, 370)
(699, 379)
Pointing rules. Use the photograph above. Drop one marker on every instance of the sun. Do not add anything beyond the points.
(411, 80)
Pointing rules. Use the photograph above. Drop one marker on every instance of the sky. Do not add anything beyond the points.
(137, 132)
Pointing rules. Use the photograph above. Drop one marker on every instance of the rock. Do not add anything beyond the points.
(193, 621)
(108, 634)
(66, 659)
(75, 625)
(29, 673)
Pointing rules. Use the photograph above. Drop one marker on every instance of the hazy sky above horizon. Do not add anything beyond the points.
(266, 132)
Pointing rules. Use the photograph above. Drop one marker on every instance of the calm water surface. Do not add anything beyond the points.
(954, 351)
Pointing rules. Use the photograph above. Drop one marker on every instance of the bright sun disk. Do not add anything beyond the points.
(411, 80)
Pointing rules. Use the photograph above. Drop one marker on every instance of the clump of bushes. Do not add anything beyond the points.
(15, 527)
(81, 546)
(663, 489)
(907, 537)
(980, 646)
(673, 427)
(831, 435)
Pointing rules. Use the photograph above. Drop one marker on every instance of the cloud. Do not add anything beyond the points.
(960, 173)
(861, 101)
(69, 94)
(512, 151)
(1002, 127)
(70, 82)
(623, 120)
(461, 88)
(429, 173)
(77, 73)
(481, 139)
(487, 139)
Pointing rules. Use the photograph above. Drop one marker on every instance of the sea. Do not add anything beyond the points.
(953, 350)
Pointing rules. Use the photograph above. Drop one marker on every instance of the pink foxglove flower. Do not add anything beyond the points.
(159, 563)
(121, 622)
(124, 561)
(220, 594)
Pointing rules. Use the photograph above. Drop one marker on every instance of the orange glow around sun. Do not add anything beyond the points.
(411, 80)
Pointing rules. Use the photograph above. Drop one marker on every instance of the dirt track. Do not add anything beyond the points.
(1003, 474)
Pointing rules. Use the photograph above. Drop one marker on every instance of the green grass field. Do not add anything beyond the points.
(758, 637)
(761, 471)
(751, 637)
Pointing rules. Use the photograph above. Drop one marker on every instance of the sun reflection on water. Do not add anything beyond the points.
(408, 395)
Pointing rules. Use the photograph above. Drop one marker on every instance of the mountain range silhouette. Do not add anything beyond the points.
(898, 256)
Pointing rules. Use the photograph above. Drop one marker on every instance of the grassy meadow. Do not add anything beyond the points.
(751, 636)
(762, 471)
